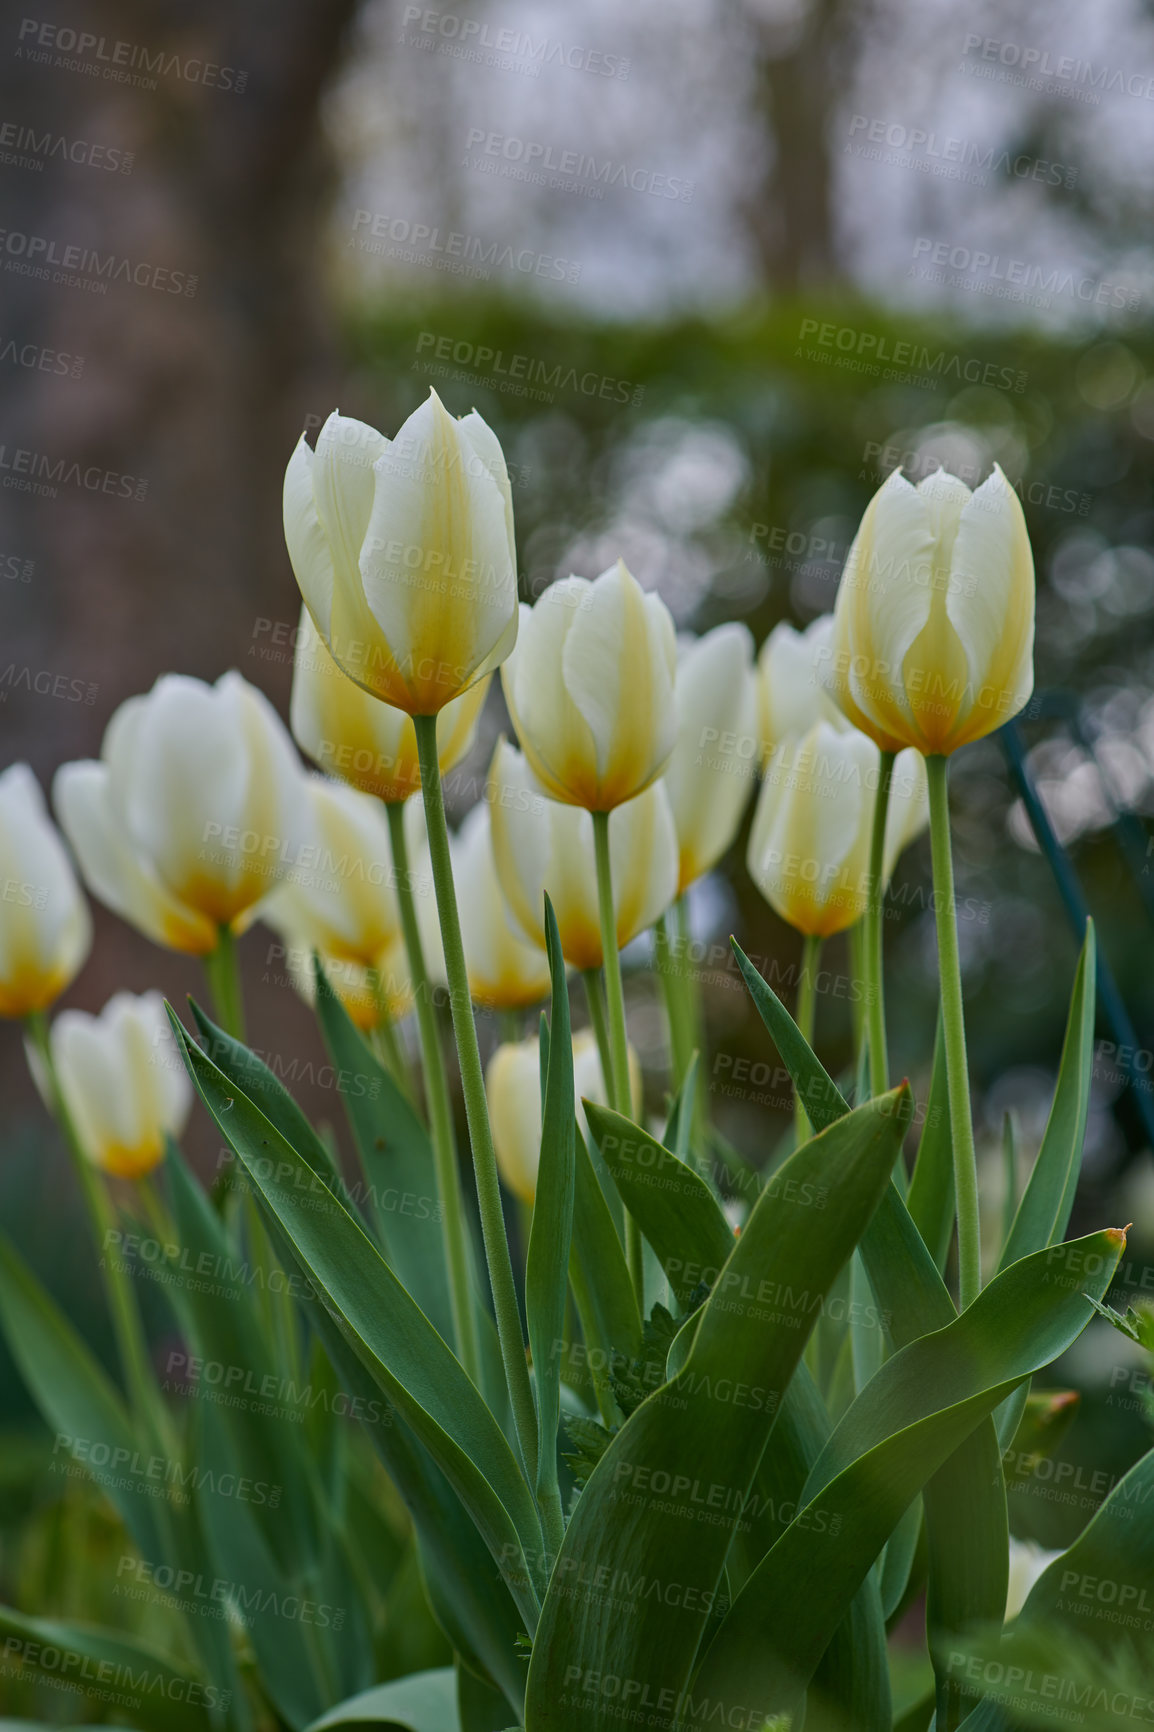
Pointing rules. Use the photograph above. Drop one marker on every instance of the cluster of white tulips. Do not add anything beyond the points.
(637, 754)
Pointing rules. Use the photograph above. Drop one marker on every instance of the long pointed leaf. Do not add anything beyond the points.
(665, 1498)
(903, 1426)
(388, 1332)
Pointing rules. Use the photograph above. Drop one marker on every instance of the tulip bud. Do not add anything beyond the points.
(809, 847)
(793, 682)
(193, 812)
(710, 775)
(45, 926)
(354, 735)
(343, 903)
(540, 845)
(590, 689)
(403, 551)
(505, 971)
(122, 1079)
(371, 993)
(934, 622)
(513, 1087)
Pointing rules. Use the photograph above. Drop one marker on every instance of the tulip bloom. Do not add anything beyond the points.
(45, 926)
(354, 735)
(505, 971)
(403, 551)
(192, 813)
(590, 689)
(809, 847)
(122, 1081)
(710, 775)
(934, 622)
(513, 1088)
(342, 902)
(540, 845)
(792, 682)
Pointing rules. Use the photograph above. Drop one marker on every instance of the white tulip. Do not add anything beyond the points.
(540, 845)
(513, 1088)
(934, 622)
(45, 925)
(403, 551)
(193, 813)
(505, 971)
(352, 734)
(809, 848)
(793, 682)
(122, 1080)
(590, 689)
(343, 902)
(710, 776)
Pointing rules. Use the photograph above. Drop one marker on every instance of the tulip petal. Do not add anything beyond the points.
(883, 603)
(117, 873)
(991, 605)
(436, 565)
(308, 547)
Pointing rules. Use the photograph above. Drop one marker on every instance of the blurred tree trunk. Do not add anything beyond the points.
(790, 212)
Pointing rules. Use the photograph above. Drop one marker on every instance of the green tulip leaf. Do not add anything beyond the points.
(153, 1691)
(898, 1432)
(1046, 1203)
(667, 1495)
(422, 1702)
(388, 1332)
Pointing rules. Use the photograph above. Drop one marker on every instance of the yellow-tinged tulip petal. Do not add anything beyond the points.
(710, 776)
(513, 1087)
(506, 972)
(196, 813)
(116, 872)
(340, 900)
(792, 682)
(45, 926)
(403, 551)
(809, 847)
(370, 994)
(369, 744)
(934, 623)
(590, 689)
(541, 845)
(122, 1079)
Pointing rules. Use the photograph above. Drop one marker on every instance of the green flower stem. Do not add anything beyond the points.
(131, 1344)
(223, 971)
(599, 1023)
(875, 1000)
(437, 1099)
(954, 1035)
(678, 1009)
(509, 1026)
(806, 1004)
(620, 1093)
(500, 1264)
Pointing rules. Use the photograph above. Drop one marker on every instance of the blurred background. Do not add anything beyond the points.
(710, 271)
